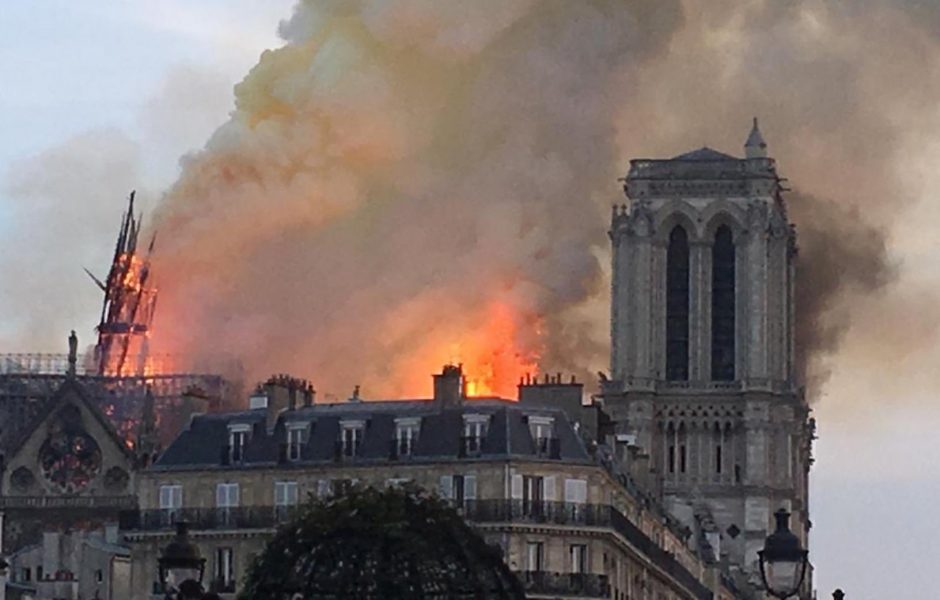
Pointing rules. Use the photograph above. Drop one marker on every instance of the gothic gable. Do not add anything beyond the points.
(71, 450)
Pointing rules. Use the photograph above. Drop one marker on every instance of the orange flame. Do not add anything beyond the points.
(493, 357)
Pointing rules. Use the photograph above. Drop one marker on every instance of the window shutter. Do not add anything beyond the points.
(292, 493)
(280, 492)
(548, 489)
(446, 488)
(516, 487)
(576, 491)
(177, 496)
(164, 496)
(221, 492)
(470, 487)
(233, 494)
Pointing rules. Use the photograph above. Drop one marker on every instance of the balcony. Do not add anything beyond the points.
(70, 502)
(569, 585)
(240, 517)
(475, 511)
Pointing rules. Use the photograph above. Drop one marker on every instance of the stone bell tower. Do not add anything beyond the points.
(702, 344)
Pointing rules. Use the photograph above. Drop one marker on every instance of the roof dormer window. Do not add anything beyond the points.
(237, 440)
(296, 438)
(542, 429)
(406, 434)
(474, 432)
(351, 433)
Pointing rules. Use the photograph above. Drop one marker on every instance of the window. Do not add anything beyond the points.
(677, 306)
(26, 574)
(541, 429)
(406, 433)
(672, 458)
(226, 499)
(324, 488)
(474, 431)
(534, 556)
(351, 438)
(296, 436)
(99, 576)
(718, 458)
(576, 491)
(339, 487)
(458, 488)
(171, 501)
(237, 439)
(578, 558)
(285, 496)
(723, 257)
(224, 570)
(682, 458)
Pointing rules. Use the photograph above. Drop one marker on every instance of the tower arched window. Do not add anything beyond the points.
(677, 306)
(723, 305)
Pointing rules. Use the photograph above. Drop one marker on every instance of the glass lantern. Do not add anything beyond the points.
(783, 561)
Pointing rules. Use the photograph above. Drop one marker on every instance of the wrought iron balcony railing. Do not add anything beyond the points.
(202, 519)
(474, 511)
(581, 585)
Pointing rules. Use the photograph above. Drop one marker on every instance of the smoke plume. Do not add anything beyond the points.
(411, 182)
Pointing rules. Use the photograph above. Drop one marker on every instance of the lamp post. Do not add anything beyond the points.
(181, 567)
(782, 561)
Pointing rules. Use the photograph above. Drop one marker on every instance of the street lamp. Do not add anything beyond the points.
(181, 566)
(782, 561)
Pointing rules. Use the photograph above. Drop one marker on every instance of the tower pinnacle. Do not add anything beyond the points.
(755, 147)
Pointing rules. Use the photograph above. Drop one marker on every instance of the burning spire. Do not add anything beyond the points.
(129, 302)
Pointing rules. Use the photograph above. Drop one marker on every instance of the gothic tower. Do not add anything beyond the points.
(702, 345)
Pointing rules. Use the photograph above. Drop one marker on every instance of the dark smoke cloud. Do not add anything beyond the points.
(400, 174)
(841, 257)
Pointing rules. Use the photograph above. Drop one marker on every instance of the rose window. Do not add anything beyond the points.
(70, 460)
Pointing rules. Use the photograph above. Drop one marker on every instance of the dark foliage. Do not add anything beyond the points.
(369, 543)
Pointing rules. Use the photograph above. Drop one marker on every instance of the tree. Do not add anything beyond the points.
(369, 543)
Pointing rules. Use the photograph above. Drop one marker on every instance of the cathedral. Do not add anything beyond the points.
(663, 485)
(703, 375)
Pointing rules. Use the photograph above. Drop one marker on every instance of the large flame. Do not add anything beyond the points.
(493, 361)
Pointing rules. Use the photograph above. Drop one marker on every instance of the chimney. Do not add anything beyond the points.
(309, 395)
(194, 401)
(277, 391)
(448, 387)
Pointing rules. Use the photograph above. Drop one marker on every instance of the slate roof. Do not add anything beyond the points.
(203, 444)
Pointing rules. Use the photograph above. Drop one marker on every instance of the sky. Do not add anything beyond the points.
(99, 98)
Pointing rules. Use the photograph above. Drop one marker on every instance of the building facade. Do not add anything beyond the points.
(64, 482)
(569, 523)
(704, 374)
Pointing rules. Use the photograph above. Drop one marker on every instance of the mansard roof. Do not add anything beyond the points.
(204, 443)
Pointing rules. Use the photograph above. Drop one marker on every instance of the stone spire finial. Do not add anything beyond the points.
(73, 353)
(755, 147)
